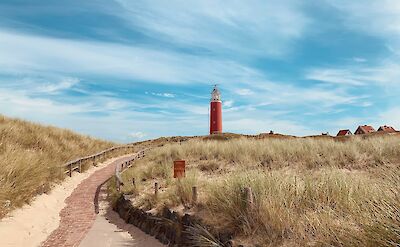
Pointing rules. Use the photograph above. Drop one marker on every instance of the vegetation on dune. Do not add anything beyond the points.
(307, 192)
(30, 159)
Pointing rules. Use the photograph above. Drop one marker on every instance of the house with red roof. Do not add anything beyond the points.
(387, 129)
(364, 129)
(344, 133)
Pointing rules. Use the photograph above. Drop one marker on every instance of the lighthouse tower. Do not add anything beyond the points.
(215, 112)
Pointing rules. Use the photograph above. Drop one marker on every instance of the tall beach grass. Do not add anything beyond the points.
(307, 192)
(30, 159)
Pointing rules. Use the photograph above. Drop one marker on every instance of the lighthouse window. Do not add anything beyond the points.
(213, 109)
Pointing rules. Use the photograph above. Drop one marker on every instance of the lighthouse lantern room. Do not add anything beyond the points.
(215, 112)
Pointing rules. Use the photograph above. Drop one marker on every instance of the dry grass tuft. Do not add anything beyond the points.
(30, 156)
(201, 237)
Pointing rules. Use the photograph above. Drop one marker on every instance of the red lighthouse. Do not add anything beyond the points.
(215, 112)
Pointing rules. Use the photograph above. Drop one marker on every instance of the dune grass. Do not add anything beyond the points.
(30, 156)
(307, 192)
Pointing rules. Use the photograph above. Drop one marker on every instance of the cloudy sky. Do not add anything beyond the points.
(130, 70)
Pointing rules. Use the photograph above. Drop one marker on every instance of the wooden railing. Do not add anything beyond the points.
(124, 165)
(77, 164)
(128, 163)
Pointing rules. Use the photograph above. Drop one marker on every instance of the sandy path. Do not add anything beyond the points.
(32, 224)
(109, 230)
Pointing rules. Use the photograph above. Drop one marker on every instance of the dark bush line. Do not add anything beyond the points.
(169, 227)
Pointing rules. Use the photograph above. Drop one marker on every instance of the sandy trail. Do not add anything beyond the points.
(109, 230)
(32, 224)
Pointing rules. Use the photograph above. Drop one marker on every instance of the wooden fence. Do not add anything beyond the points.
(126, 164)
(77, 164)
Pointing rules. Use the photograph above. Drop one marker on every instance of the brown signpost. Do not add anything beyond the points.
(179, 168)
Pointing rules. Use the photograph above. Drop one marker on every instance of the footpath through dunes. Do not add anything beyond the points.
(67, 215)
(110, 230)
(79, 213)
(33, 223)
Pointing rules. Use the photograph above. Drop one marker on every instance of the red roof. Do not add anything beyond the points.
(343, 132)
(386, 129)
(366, 129)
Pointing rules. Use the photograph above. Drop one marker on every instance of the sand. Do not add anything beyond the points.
(109, 230)
(31, 224)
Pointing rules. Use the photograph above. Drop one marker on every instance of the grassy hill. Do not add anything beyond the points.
(30, 156)
(307, 191)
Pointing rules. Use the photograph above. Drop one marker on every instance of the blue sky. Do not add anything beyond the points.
(130, 70)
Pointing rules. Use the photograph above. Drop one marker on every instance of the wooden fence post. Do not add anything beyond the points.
(94, 161)
(194, 195)
(80, 166)
(156, 189)
(70, 170)
(248, 195)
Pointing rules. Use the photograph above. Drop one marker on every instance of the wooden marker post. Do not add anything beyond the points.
(194, 195)
(155, 189)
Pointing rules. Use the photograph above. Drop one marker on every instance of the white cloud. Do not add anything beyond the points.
(288, 96)
(252, 27)
(53, 88)
(18, 102)
(34, 54)
(244, 92)
(30, 54)
(377, 16)
(380, 18)
(228, 103)
(137, 135)
(366, 104)
(166, 95)
(384, 74)
(359, 59)
(335, 76)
